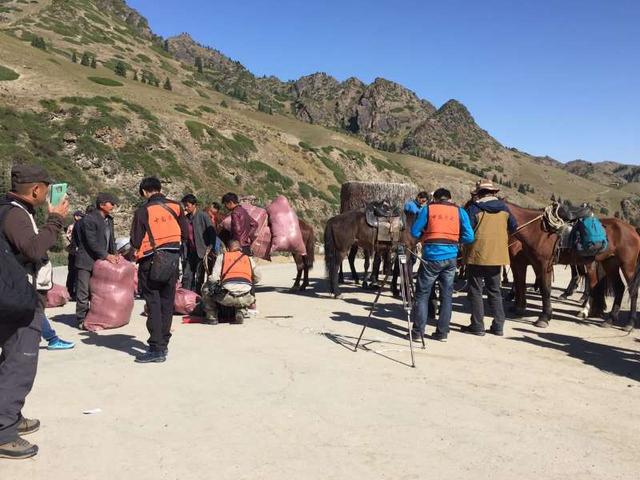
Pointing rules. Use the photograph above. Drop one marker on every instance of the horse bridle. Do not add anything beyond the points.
(522, 227)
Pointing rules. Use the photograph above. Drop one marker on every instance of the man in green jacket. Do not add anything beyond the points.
(492, 222)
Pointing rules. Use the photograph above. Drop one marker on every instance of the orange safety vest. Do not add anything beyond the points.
(443, 225)
(236, 267)
(164, 227)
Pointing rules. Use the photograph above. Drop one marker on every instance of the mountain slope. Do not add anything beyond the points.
(222, 128)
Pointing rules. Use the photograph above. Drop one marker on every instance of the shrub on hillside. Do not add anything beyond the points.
(6, 74)
(105, 81)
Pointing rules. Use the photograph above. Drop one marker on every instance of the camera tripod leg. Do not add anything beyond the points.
(373, 306)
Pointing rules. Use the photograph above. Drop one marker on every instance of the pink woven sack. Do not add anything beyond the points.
(185, 301)
(112, 290)
(285, 227)
(57, 296)
(261, 240)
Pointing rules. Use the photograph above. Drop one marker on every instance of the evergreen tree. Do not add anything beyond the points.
(135, 75)
(224, 104)
(86, 61)
(93, 62)
(120, 69)
(522, 189)
(165, 46)
(156, 82)
(74, 58)
(494, 179)
(199, 64)
(38, 42)
(263, 107)
(553, 197)
(167, 84)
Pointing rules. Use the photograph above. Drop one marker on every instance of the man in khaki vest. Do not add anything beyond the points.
(485, 257)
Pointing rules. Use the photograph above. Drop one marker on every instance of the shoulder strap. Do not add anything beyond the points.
(222, 277)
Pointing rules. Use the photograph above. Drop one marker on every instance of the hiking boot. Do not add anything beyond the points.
(28, 425)
(151, 356)
(439, 336)
(18, 449)
(416, 336)
(470, 330)
(496, 332)
(210, 321)
(59, 344)
(629, 326)
(239, 318)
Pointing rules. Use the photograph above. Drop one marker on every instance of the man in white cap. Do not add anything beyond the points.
(492, 222)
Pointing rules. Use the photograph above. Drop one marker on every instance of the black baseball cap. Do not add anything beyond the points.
(106, 198)
(21, 174)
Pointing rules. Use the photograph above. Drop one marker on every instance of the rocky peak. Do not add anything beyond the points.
(120, 10)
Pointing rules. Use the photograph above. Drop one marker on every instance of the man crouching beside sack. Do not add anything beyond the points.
(231, 284)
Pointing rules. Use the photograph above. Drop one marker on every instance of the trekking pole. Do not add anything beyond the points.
(406, 304)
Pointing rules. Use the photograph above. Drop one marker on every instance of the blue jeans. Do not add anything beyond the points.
(430, 271)
(48, 333)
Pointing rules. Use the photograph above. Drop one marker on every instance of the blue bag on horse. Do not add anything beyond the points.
(592, 237)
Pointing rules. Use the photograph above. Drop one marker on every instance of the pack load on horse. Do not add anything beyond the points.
(355, 196)
(376, 227)
(280, 230)
(544, 239)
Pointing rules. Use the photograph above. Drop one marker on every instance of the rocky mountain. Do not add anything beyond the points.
(81, 91)
(610, 173)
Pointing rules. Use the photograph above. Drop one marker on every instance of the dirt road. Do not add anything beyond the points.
(283, 397)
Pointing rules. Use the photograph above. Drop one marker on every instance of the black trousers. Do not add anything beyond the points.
(18, 367)
(489, 277)
(83, 277)
(72, 275)
(160, 299)
(190, 278)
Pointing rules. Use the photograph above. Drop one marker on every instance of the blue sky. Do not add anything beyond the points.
(556, 77)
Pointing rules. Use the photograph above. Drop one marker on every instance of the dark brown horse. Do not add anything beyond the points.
(537, 248)
(348, 229)
(304, 263)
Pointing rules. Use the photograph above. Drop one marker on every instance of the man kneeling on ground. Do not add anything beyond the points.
(230, 284)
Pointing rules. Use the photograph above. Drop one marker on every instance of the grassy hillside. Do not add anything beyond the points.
(101, 131)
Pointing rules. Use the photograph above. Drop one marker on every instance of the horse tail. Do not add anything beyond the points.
(635, 283)
(310, 245)
(330, 257)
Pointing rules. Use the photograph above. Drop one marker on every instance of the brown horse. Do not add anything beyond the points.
(348, 229)
(537, 248)
(304, 263)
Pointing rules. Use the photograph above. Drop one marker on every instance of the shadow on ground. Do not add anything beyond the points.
(118, 341)
(608, 358)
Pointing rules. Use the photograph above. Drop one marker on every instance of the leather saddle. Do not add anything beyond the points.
(374, 211)
(386, 219)
(571, 215)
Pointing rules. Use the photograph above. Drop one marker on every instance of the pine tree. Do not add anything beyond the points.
(199, 64)
(38, 42)
(224, 104)
(135, 75)
(93, 62)
(522, 188)
(120, 69)
(74, 58)
(165, 46)
(495, 178)
(156, 82)
(553, 197)
(86, 61)
(167, 84)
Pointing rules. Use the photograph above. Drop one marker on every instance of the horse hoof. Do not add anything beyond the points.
(564, 296)
(541, 323)
(629, 326)
(338, 296)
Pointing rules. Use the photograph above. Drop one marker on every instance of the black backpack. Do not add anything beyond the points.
(18, 298)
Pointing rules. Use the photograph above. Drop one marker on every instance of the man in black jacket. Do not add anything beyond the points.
(19, 340)
(158, 226)
(202, 235)
(95, 241)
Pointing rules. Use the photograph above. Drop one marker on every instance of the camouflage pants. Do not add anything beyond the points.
(211, 300)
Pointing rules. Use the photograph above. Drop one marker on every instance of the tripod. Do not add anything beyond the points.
(406, 292)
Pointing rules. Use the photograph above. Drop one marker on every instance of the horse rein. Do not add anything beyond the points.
(522, 227)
